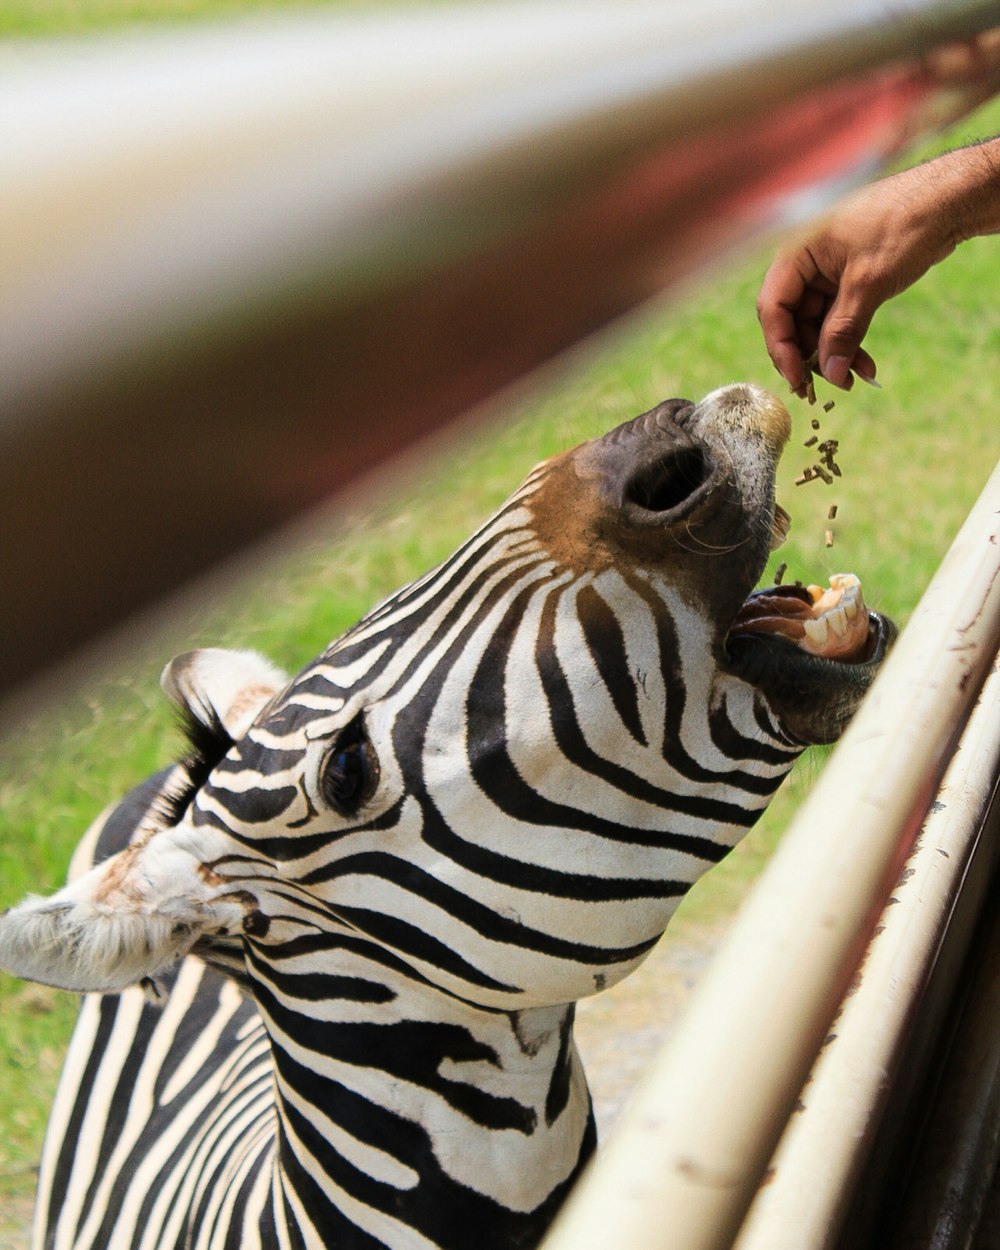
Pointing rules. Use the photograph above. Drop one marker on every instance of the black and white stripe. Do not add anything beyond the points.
(482, 803)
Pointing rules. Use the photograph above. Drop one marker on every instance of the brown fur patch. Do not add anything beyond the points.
(579, 524)
(210, 876)
(116, 880)
(250, 700)
(570, 519)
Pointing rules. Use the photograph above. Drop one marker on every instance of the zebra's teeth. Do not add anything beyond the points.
(829, 621)
(817, 631)
(837, 620)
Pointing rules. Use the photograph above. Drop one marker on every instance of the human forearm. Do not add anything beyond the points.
(822, 291)
(972, 176)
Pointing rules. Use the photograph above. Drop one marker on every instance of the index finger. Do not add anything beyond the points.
(781, 294)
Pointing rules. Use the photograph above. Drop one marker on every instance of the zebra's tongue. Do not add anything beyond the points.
(828, 621)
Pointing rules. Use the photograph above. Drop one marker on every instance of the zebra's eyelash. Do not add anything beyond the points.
(209, 742)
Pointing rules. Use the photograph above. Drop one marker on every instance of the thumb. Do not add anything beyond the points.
(844, 328)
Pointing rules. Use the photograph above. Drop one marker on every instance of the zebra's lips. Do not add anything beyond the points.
(831, 622)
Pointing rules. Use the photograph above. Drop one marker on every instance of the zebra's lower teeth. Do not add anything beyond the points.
(829, 621)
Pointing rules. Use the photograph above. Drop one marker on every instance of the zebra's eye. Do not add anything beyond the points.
(350, 771)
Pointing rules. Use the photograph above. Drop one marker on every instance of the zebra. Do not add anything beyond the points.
(331, 958)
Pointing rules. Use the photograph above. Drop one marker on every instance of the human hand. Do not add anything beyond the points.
(820, 294)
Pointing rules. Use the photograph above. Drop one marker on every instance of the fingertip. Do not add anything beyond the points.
(865, 368)
(786, 359)
(793, 373)
(837, 371)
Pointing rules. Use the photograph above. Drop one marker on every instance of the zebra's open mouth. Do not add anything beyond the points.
(831, 622)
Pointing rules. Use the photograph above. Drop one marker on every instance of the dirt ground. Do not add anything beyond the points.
(618, 1033)
(15, 1221)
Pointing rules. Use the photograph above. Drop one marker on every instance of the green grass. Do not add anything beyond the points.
(74, 17)
(915, 455)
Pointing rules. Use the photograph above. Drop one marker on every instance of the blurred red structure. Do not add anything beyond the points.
(128, 472)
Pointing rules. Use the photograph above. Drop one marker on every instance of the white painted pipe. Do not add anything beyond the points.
(155, 179)
(825, 1149)
(683, 1166)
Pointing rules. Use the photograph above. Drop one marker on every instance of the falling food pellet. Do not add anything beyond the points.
(811, 442)
(832, 514)
(827, 450)
(829, 406)
(807, 390)
(779, 573)
(815, 423)
(829, 538)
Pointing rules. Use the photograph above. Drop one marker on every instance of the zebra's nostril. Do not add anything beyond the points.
(668, 482)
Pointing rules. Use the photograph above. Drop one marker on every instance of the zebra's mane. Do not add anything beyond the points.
(208, 743)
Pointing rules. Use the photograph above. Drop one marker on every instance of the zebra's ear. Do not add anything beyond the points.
(130, 918)
(222, 688)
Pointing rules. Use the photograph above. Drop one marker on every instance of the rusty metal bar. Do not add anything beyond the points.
(950, 1198)
(241, 265)
(880, 1047)
(682, 1169)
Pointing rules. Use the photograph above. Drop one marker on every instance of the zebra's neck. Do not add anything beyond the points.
(408, 1117)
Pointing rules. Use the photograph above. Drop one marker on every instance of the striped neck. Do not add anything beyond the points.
(406, 1116)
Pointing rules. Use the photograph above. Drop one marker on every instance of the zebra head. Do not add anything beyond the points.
(507, 774)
